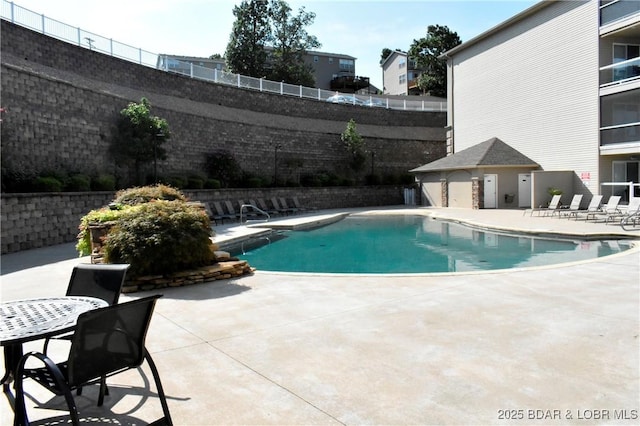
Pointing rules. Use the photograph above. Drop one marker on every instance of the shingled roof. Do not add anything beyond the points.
(490, 153)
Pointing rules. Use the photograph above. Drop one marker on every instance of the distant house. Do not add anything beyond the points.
(559, 84)
(331, 71)
(400, 74)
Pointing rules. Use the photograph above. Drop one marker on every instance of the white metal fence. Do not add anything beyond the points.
(75, 35)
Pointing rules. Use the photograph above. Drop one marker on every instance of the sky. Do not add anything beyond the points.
(359, 28)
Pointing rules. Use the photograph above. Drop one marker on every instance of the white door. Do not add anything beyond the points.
(524, 190)
(490, 188)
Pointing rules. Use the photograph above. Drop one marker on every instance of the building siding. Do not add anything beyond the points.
(535, 86)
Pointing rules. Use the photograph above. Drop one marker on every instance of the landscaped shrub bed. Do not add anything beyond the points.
(154, 229)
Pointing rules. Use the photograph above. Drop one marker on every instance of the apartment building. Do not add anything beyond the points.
(331, 71)
(560, 84)
(400, 74)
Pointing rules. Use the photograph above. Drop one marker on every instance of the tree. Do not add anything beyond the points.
(354, 144)
(290, 43)
(250, 35)
(216, 56)
(385, 54)
(139, 137)
(426, 51)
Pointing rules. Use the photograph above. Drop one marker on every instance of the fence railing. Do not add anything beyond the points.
(75, 35)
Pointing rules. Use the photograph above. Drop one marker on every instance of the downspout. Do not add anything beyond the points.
(450, 104)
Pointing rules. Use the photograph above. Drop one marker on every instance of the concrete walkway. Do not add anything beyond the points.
(551, 345)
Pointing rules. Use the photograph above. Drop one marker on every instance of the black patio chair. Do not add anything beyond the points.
(107, 341)
(103, 281)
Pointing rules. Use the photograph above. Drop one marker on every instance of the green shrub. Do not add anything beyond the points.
(17, 180)
(144, 194)
(212, 184)
(103, 215)
(254, 182)
(103, 182)
(160, 237)
(47, 184)
(78, 183)
(179, 182)
(195, 182)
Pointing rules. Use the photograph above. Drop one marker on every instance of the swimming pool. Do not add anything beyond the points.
(391, 244)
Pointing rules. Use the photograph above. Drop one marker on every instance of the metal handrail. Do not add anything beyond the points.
(246, 207)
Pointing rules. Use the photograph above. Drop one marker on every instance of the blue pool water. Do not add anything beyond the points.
(413, 244)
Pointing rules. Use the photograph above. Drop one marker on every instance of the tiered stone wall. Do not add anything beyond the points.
(62, 102)
(39, 220)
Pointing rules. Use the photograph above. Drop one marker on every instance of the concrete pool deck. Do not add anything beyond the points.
(552, 345)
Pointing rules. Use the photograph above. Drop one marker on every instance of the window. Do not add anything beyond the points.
(622, 53)
(402, 63)
(625, 171)
(315, 58)
(330, 60)
(347, 65)
(402, 79)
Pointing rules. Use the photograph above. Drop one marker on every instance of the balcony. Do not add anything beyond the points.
(620, 72)
(620, 134)
(615, 10)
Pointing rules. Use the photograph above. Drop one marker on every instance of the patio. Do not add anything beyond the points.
(554, 344)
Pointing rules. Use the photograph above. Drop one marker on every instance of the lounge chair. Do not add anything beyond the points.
(276, 206)
(620, 215)
(297, 204)
(573, 207)
(220, 214)
(232, 210)
(610, 208)
(263, 205)
(285, 206)
(594, 206)
(554, 204)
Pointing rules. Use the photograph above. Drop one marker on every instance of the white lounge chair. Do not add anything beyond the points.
(554, 204)
(573, 207)
(594, 206)
(610, 208)
(620, 215)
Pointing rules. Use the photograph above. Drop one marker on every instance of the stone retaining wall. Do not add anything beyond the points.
(39, 220)
(62, 102)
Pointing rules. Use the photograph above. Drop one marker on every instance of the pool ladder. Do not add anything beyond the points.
(250, 207)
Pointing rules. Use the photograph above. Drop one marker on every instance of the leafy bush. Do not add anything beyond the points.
(145, 194)
(47, 184)
(154, 229)
(103, 182)
(177, 181)
(223, 166)
(103, 215)
(195, 182)
(160, 237)
(212, 184)
(78, 182)
(17, 180)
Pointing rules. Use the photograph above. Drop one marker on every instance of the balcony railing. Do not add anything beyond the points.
(622, 133)
(618, 9)
(52, 28)
(620, 72)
